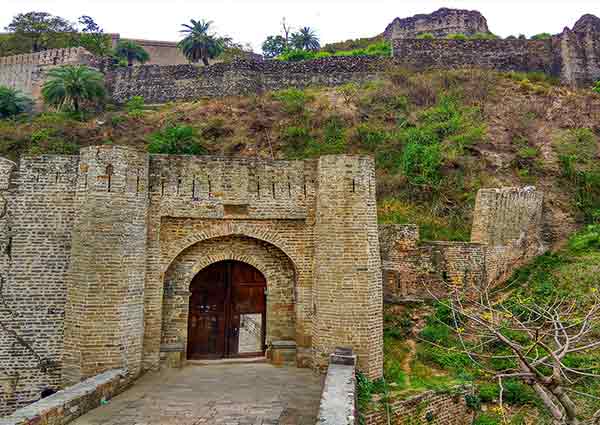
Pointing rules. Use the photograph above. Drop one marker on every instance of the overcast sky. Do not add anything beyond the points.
(250, 21)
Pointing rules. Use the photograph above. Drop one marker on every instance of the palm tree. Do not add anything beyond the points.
(199, 44)
(69, 87)
(306, 39)
(132, 52)
(13, 102)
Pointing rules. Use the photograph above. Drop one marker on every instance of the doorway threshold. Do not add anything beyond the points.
(239, 360)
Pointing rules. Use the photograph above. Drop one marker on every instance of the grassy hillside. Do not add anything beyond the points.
(422, 353)
(437, 138)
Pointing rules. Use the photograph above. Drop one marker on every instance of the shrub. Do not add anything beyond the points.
(369, 137)
(542, 36)
(296, 141)
(293, 100)
(176, 140)
(457, 37)
(13, 102)
(421, 164)
(515, 393)
(135, 106)
(484, 36)
(426, 36)
(596, 87)
(487, 419)
(297, 55)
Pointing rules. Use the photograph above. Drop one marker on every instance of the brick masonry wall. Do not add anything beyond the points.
(104, 320)
(429, 408)
(268, 259)
(36, 238)
(197, 200)
(347, 290)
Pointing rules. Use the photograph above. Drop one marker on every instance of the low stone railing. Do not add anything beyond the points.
(338, 400)
(72, 402)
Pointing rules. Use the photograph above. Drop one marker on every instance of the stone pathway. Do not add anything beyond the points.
(227, 394)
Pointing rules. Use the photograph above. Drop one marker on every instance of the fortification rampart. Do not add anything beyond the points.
(158, 84)
(507, 232)
(26, 72)
(501, 55)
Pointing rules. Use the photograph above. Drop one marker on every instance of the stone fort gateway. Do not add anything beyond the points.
(115, 262)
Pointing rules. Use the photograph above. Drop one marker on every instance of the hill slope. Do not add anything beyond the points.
(437, 137)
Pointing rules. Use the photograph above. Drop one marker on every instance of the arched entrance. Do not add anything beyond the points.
(227, 314)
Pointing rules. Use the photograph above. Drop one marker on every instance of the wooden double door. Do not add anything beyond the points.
(227, 315)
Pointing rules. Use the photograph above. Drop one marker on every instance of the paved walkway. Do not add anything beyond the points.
(232, 394)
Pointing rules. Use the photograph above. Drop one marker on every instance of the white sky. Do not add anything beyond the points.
(250, 21)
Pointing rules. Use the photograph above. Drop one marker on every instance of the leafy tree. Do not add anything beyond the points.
(273, 46)
(542, 36)
(306, 39)
(200, 44)
(13, 102)
(132, 52)
(93, 38)
(40, 29)
(70, 87)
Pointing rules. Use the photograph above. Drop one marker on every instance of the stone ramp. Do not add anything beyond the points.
(229, 394)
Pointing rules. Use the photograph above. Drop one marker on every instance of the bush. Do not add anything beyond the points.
(542, 36)
(457, 37)
(370, 138)
(426, 36)
(515, 393)
(176, 140)
(296, 141)
(421, 164)
(13, 102)
(487, 419)
(135, 106)
(293, 100)
(297, 55)
(596, 87)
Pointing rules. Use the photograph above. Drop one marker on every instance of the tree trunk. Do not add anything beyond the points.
(568, 406)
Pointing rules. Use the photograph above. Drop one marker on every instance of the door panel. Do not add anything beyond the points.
(220, 295)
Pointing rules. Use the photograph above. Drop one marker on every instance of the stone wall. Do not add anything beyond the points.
(69, 404)
(501, 55)
(159, 84)
(36, 237)
(439, 23)
(507, 233)
(26, 72)
(435, 408)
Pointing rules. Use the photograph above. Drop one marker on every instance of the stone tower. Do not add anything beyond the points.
(104, 304)
(347, 292)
